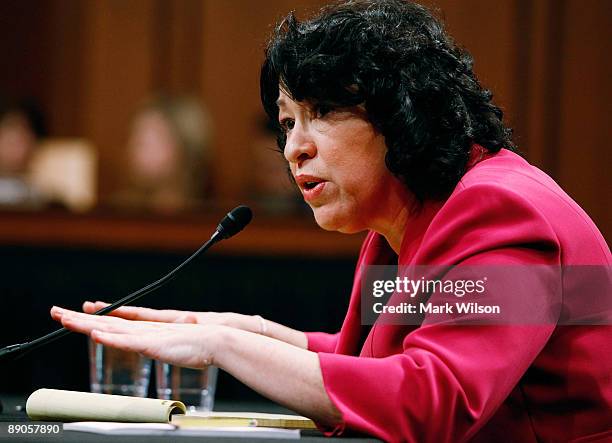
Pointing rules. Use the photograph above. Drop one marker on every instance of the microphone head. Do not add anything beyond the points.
(235, 221)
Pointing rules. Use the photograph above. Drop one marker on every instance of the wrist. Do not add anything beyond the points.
(218, 344)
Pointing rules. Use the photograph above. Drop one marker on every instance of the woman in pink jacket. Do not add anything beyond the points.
(385, 128)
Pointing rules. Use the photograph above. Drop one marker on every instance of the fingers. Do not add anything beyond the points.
(92, 307)
(136, 313)
(85, 323)
(127, 312)
(58, 313)
(55, 313)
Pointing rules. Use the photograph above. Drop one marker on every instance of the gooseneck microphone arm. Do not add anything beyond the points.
(231, 224)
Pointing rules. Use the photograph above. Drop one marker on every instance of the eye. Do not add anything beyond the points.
(287, 124)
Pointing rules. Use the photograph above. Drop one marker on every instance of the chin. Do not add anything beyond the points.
(331, 220)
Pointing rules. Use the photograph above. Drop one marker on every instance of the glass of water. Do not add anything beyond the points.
(194, 387)
(112, 371)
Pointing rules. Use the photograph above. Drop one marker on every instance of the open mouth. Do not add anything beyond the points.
(310, 185)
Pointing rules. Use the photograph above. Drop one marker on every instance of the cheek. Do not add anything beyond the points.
(362, 192)
(364, 176)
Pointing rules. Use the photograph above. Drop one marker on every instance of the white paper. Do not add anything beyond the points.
(116, 428)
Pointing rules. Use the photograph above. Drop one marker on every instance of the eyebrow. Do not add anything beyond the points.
(280, 102)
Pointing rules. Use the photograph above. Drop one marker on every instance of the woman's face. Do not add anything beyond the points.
(338, 162)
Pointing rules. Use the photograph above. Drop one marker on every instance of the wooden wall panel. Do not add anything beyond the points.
(234, 38)
(583, 151)
(535, 89)
(64, 83)
(24, 55)
(178, 46)
(487, 31)
(118, 59)
(229, 83)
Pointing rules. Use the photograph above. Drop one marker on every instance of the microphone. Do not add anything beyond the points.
(234, 222)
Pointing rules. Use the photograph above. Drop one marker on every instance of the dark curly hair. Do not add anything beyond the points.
(394, 58)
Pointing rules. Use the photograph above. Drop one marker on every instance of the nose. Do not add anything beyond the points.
(299, 146)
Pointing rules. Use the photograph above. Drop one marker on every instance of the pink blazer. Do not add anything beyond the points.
(479, 383)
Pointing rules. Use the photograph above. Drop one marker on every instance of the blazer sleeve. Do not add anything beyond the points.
(324, 342)
(321, 341)
(449, 379)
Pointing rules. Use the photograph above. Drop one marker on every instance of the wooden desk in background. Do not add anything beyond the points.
(269, 236)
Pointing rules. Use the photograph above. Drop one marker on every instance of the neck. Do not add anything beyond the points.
(398, 211)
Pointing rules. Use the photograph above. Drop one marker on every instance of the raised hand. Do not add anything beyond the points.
(239, 321)
(144, 314)
(189, 345)
(248, 323)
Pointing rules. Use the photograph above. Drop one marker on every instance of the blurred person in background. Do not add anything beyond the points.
(168, 152)
(21, 127)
